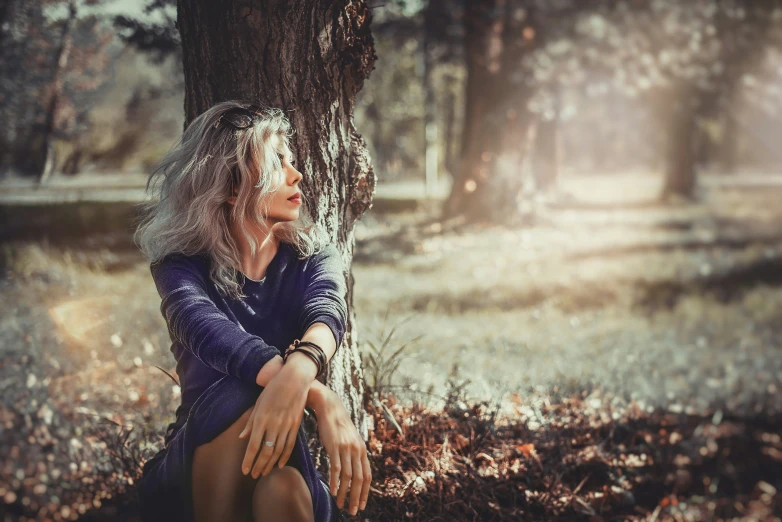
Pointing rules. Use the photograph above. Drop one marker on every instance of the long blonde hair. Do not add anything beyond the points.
(188, 212)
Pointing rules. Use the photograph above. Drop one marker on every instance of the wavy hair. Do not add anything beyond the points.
(188, 211)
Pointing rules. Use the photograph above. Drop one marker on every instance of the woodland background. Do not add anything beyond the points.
(567, 289)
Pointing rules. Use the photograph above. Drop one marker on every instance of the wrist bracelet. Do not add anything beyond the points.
(312, 356)
(314, 346)
(317, 355)
(321, 354)
(318, 350)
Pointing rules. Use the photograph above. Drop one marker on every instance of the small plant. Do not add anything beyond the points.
(456, 396)
(381, 361)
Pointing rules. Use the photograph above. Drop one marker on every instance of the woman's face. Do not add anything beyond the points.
(287, 201)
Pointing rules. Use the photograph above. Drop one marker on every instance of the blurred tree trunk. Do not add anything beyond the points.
(6, 8)
(547, 149)
(488, 182)
(312, 66)
(450, 130)
(432, 161)
(55, 91)
(546, 154)
(20, 108)
(680, 129)
(729, 144)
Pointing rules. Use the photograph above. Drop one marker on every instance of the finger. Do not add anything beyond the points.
(265, 454)
(367, 479)
(246, 429)
(336, 467)
(355, 482)
(290, 443)
(278, 447)
(253, 446)
(344, 478)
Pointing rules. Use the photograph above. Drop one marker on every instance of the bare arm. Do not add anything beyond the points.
(302, 363)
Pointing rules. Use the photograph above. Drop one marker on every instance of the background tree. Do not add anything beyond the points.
(686, 62)
(312, 67)
(418, 88)
(61, 54)
(507, 46)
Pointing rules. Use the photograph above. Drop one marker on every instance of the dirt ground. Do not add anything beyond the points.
(611, 298)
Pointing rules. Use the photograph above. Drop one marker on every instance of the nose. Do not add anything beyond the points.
(297, 176)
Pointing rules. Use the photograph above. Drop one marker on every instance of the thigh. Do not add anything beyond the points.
(220, 490)
(283, 494)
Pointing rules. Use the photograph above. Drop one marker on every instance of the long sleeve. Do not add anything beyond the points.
(324, 294)
(201, 327)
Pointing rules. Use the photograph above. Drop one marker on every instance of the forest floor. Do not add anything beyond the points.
(611, 360)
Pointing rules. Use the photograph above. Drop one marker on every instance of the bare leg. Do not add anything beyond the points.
(282, 495)
(220, 490)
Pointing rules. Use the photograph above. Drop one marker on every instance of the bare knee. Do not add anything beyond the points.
(282, 495)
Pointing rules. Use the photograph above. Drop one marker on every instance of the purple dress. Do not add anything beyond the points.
(220, 344)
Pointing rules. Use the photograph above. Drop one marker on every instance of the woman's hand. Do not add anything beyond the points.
(277, 415)
(346, 450)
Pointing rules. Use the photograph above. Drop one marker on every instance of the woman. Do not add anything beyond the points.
(242, 271)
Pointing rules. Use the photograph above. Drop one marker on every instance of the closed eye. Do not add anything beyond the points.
(282, 159)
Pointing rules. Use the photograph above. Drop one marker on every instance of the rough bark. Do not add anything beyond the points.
(309, 58)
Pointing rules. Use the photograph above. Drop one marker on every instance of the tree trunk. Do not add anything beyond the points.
(432, 160)
(488, 182)
(55, 92)
(21, 148)
(729, 144)
(547, 150)
(309, 58)
(450, 131)
(679, 148)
